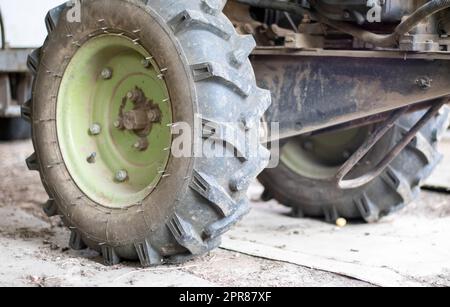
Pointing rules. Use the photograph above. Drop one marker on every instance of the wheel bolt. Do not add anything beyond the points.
(117, 124)
(141, 144)
(91, 158)
(107, 73)
(146, 63)
(121, 176)
(95, 129)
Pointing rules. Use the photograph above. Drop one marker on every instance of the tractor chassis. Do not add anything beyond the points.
(324, 91)
(313, 91)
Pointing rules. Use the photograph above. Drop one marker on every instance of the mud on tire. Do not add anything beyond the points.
(206, 67)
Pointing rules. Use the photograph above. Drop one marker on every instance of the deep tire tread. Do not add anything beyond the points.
(50, 208)
(110, 257)
(52, 18)
(230, 77)
(76, 241)
(148, 256)
(32, 163)
(231, 73)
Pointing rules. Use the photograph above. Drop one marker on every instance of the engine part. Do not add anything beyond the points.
(379, 40)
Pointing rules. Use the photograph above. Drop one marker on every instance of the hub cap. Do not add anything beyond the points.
(113, 121)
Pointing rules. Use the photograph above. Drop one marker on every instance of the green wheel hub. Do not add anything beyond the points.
(319, 157)
(102, 156)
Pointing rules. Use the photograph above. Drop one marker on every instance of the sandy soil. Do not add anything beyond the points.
(34, 251)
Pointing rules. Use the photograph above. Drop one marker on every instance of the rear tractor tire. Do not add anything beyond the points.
(13, 129)
(300, 181)
(110, 174)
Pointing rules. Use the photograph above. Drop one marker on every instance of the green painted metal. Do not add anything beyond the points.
(87, 98)
(319, 157)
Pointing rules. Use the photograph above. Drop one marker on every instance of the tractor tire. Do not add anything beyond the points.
(12, 129)
(311, 196)
(195, 58)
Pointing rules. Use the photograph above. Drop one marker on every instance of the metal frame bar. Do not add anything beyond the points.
(313, 93)
(374, 139)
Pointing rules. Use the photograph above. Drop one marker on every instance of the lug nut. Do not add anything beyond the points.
(91, 158)
(121, 176)
(117, 124)
(107, 73)
(146, 63)
(95, 129)
(141, 144)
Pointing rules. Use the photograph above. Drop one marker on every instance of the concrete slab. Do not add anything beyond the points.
(267, 249)
(410, 248)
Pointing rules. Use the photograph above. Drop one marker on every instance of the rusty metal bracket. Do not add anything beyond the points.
(374, 139)
(141, 118)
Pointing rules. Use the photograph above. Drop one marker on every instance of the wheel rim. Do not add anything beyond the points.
(115, 148)
(319, 157)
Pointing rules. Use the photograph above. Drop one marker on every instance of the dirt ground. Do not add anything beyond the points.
(34, 250)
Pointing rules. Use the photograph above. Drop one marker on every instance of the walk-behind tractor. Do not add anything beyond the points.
(358, 89)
